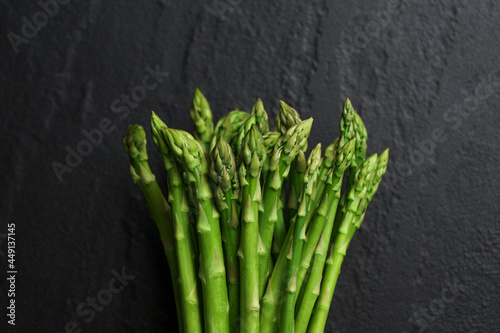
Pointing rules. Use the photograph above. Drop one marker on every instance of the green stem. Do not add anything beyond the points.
(331, 274)
(317, 225)
(271, 301)
(185, 249)
(288, 306)
(161, 213)
(232, 236)
(323, 224)
(249, 241)
(134, 143)
(269, 217)
(297, 170)
(212, 270)
(279, 228)
(299, 237)
(305, 304)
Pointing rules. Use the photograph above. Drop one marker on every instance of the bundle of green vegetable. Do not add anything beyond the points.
(239, 260)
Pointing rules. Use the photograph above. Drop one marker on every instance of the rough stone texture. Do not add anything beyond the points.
(431, 239)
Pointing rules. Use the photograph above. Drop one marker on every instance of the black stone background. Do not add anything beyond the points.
(427, 256)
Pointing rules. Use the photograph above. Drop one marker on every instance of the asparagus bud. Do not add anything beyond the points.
(287, 117)
(201, 115)
(271, 139)
(346, 126)
(261, 118)
(330, 154)
(238, 139)
(229, 125)
(135, 145)
(295, 139)
(361, 138)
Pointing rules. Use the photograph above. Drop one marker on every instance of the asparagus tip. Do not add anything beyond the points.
(134, 142)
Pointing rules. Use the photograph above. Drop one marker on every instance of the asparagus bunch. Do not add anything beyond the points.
(236, 263)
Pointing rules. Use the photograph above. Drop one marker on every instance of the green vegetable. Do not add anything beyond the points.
(202, 119)
(261, 118)
(299, 236)
(134, 143)
(184, 242)
(271, 301)
(287, 117)
(253, 154)
(296, 181)
(340, 243)
(270, 141)
(351, 126)
(239, 260)
(225, 183)
(188, 152)
(228, 126)
(284, 153)
(318, 235)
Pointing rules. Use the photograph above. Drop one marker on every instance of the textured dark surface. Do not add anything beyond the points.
(427, 256)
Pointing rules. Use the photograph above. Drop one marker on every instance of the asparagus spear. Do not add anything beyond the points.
(134, 143)
(292, 142)
(288, 117)
(212, 271)
(328, 160)
(271, 140)
(352, 127)
(225, 180)
(271, 301)
(310, 291)
(323, 223)
(309, 186)
(340, 243)
(361, 138)
(253, 154)
(380, 170)
(201, 115)
(183, 237)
